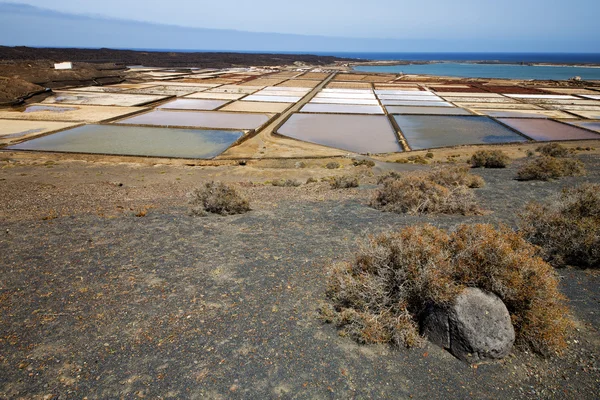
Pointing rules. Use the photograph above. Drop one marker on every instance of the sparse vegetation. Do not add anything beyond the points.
(456, 176)
(333, 165)
(545, 168)
(489, 159)
(418, 160)
(377, 296)
(366, 163)
(286, 183)
(553, 150)
(443, 191)
(343, 182)
(217, 198)
(567, 228)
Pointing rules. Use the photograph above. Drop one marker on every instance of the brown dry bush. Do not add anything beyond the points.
(545, 168)
(344, 182)
(378, 296)
(286, 183)
(553, 150)
(567, 228)
(217, 198)
(367, 163)
(489, 159)
(456, 176)
(444, 191)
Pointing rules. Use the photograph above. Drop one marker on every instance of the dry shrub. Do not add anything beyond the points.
(286, 183)
(343, 182)
(333, 165)
(393, 278)
(553, 150)
(567, 228)
(489, 159)
(545, 168)
(217, 198)
(438, 191)
(456, 176)
(366, 163)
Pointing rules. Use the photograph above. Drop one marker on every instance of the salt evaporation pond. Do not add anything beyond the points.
(135, 141)
(426, 131)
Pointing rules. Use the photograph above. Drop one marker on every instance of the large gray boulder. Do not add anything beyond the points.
(477, 327)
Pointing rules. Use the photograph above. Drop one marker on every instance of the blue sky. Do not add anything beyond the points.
(427, 25)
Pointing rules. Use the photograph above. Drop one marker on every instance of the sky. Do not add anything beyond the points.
(433, 25)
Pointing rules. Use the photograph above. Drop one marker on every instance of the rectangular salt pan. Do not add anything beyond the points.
(287, 89)
(427, 110)
(322, 100)
(342, 109)
(426, 132)
(416, 103)
(278, 93)
(204, 119)
(346, 96)
(524, 113)
(135, 141)
(542, 96)
(593, 125)
(192, 104)
(404, 92)
(275, 99)
(410, 98)
(547, 130)
(358, 91)
(357, 133)
(102, 99)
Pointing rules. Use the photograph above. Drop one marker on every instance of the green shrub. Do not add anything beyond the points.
(377, 296)
(343, 182)
(311, 180)
(567, 228)
(489, 159)
(545, 168)
(429, 155)
(333, 165)
(217, 198)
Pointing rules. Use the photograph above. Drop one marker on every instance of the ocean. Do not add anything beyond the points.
(506, 65)
(506, 71)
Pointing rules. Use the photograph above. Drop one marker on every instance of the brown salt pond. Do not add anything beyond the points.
(357, 133)
(547, 130)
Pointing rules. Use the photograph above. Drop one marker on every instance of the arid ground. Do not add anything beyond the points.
(110, 289)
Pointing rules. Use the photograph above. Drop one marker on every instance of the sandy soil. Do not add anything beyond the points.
(96, 302)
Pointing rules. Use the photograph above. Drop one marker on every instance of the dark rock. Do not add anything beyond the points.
(476, 328)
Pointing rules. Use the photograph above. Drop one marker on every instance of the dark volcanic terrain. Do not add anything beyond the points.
(97, 302)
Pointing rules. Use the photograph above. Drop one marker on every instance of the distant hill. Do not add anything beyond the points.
(24, 25)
